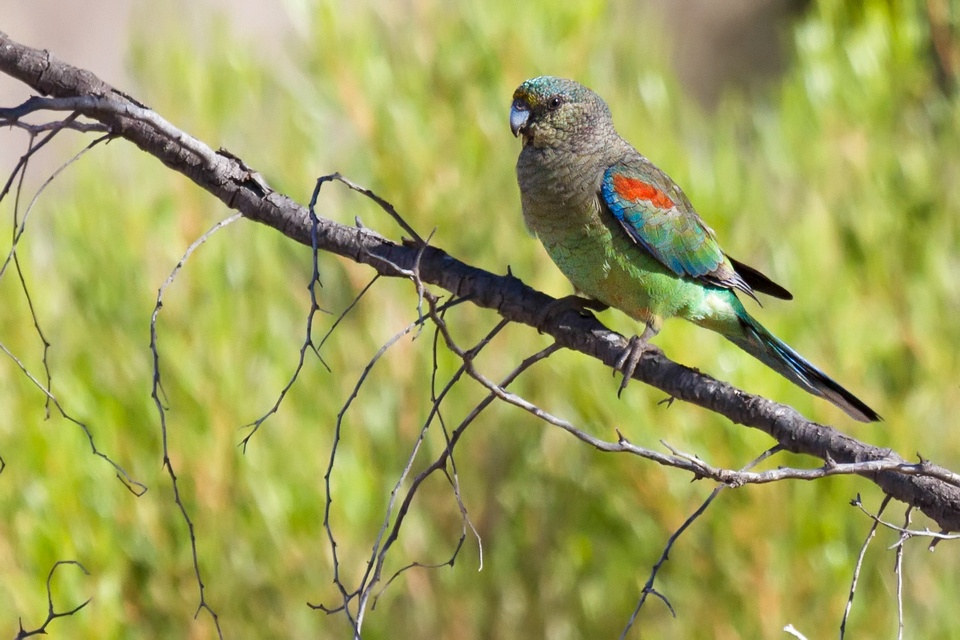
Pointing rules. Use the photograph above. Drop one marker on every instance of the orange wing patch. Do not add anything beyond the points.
(634, 189)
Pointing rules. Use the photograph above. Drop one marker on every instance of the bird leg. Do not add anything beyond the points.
(628, 360)
(561, 305)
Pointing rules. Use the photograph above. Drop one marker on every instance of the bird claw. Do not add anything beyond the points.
(628, 360)
(561, 305)
(667, 402)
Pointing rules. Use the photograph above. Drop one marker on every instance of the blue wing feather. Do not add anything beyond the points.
(653, 211)
(666, 227)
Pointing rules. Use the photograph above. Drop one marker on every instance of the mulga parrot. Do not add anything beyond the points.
(626, 236)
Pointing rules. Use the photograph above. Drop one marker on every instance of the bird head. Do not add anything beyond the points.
(548, 111)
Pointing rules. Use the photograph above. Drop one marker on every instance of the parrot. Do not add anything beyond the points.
(626, 236)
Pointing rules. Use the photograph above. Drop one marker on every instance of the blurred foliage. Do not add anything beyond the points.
(839, 180)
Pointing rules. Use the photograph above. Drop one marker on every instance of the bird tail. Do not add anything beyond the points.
(777, 355)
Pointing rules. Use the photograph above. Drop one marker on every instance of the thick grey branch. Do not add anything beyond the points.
(932, 489)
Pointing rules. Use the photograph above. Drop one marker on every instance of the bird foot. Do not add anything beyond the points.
(628, 360)
(561, 305)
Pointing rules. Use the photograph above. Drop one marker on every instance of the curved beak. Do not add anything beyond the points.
(519, 115)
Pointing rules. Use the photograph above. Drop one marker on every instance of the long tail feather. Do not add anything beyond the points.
(777, 355)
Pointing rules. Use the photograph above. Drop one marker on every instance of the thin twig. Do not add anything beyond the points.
(384, 204)
(378, 558)
(898, 571)
(157, 392)
(134, 486)
(648, 588)
(856, 569)
(936, 536)
(53, 614)
(126, 109)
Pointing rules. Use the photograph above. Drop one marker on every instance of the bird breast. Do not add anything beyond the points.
(556, 188)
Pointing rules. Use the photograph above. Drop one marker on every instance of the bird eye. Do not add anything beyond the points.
(554, 103)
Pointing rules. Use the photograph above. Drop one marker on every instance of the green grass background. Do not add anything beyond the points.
(839, 179)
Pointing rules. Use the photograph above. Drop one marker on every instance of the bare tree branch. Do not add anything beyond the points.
(238, 186)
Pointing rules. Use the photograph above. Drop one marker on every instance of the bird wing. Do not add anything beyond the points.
(657, 216)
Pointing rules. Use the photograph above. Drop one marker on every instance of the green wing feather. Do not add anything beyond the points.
(656, 214)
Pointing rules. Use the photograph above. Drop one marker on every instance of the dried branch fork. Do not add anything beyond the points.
(932, 489)
(52, 613)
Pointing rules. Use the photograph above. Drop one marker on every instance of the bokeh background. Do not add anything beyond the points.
(820, 139)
